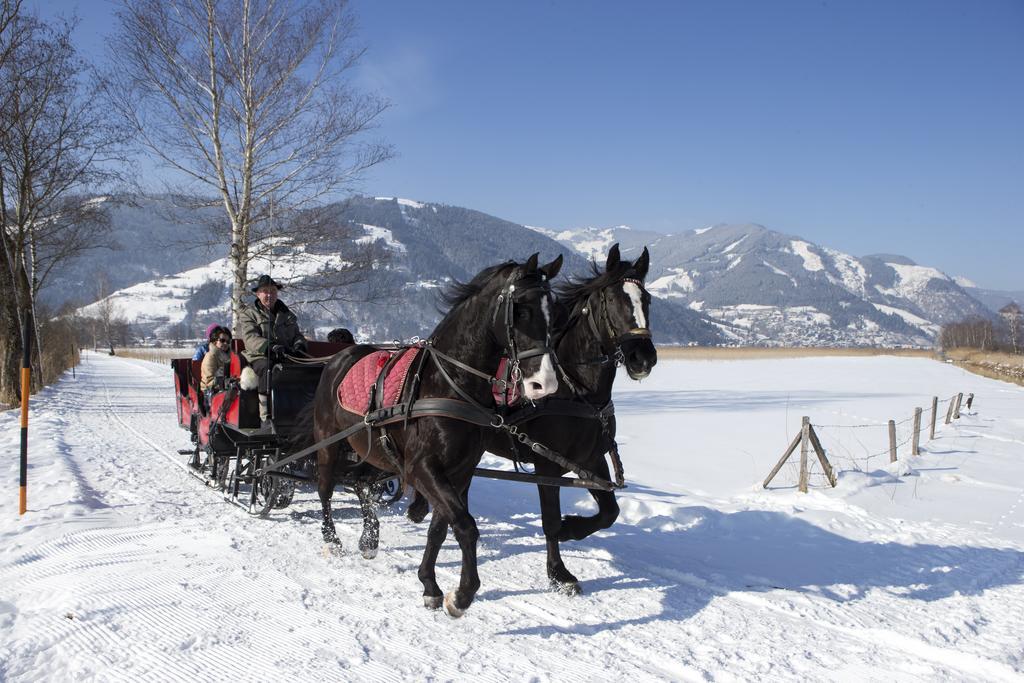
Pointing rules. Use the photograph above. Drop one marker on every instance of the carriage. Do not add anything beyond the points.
(231, 446)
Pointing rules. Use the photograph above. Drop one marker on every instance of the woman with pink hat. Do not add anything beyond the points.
(204, 346)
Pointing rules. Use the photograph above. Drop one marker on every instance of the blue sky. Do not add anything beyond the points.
(867, 126)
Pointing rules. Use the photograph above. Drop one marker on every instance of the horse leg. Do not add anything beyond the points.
(418, 508)
(450, 508)
(575, 527)
(325, 487)
(436, 533)
(551, 519)
(370, 538)
(466, 533)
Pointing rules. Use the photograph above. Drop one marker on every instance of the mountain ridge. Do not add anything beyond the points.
(725, 283)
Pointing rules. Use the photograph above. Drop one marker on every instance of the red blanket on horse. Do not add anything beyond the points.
(354, 390)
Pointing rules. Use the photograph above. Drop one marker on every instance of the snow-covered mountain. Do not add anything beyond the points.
(148, 238)
(423, 246)
(994, 299)
(719, 284)
(774, 288)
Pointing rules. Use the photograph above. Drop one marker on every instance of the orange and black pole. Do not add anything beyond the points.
(26, 376)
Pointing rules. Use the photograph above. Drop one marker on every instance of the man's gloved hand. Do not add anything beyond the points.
(276, 353)
(299, 349)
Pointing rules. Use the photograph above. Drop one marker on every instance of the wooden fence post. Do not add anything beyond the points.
(935, 408)
(949, 410)
(916, 447)
(956, 410)
(825, 465)
(892, 440)
(805, 440)
(782, 460)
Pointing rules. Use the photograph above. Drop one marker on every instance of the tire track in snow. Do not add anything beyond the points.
(236, 595)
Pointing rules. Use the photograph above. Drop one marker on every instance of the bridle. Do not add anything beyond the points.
(503, 331)
(601, 325)
(513, 293)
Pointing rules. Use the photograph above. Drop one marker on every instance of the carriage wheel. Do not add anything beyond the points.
(270, 492)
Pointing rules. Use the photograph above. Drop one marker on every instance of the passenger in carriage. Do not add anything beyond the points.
(204, 346)
(217, 361)
(270, 332)
(340, 335)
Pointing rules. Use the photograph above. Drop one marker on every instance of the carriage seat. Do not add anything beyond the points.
(354, 390)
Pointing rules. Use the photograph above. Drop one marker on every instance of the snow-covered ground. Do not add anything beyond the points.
(127, 568)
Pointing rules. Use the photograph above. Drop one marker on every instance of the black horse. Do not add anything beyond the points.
(604, 323)
(505, 311)
(607, 324)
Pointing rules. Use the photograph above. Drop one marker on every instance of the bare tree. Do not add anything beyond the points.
(973, 333)
(55, 144)
(10, 324)
(108, 313)
(9, 38)
(246, 100)
(1012, 315)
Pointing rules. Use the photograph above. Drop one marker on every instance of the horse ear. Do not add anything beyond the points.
(531, 263)
(551, 269)
(642, 264)
(613, 258)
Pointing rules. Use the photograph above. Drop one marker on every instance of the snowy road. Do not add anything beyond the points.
(127, 568)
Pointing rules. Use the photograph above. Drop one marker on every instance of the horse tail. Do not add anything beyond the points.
(418, 508)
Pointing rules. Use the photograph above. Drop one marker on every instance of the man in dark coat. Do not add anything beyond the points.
(270, 332)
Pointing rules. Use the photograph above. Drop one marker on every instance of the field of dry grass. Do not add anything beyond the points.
(162, 356)
(752, 353)
(1004, 366)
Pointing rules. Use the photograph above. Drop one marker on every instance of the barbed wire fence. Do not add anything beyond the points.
(842, 447)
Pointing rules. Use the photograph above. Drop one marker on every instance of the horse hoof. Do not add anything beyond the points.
(331, 549)
(569, 588)
(431, 601)
(369, 553)
(449, 606)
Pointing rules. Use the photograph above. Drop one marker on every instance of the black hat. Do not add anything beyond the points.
(266, 281)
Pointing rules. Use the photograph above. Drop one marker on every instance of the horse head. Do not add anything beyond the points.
(620, 313)
(506, 312)
(522, 324)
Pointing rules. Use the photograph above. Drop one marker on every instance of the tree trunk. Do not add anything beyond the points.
(239, 270)
(10, 363)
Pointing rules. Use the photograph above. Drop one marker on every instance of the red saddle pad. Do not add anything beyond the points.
(354, 390)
